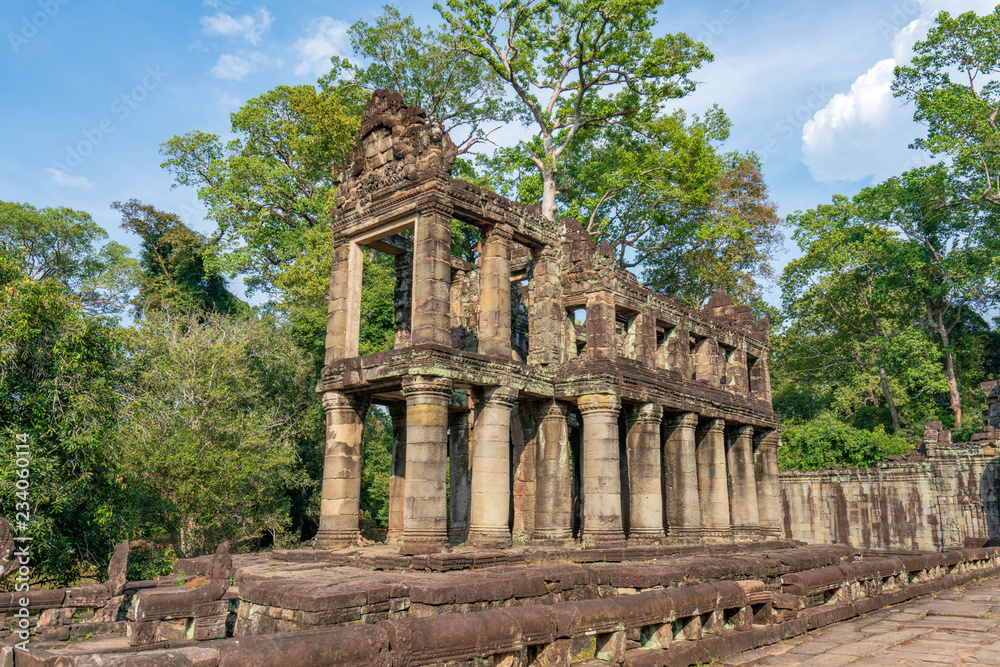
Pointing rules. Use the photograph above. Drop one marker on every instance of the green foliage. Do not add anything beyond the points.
(148, 561)
(376, 466)
(212, 426)
(62, 244)
(174, 264)
(453, 88)
(60, 385)
(953, 82)
(826, 440)
(272, 184)
(573, 66)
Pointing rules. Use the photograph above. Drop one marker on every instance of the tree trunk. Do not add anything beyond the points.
(954, 397)
(549, 193)
(175, 542)
(888, 399)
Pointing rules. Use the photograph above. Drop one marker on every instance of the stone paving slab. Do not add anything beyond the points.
(958, 627)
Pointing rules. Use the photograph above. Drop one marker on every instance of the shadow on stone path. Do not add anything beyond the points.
(960, 626)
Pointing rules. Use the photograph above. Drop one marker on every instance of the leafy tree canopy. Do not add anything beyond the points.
(62, 244)
(175, 271)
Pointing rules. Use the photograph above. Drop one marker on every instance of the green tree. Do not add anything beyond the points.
(885, 281)
(573, 66)
(453, 88)
(174, 264)
(953, 83)
(828, 441)
(952, 253)
(61, 385)
(212, 427)
(67, 245)
(725, 245)
(267, 188)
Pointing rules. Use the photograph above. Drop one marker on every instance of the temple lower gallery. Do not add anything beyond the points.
(541, 395)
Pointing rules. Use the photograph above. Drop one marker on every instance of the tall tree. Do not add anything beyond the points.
(574, 65)
(273, 183)
(175, 271)
(453, 88)
(725, 245)
(953, 82)
(212, 426)
(953, 252)
(912, 251)
(61, 383)
(67, 245)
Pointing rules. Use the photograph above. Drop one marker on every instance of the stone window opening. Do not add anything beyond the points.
(753, 373)
(728, 354)
(519, 318)
(666, 355)
(576, 327)
(626, 333)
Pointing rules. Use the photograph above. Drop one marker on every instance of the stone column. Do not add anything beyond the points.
(602, 510)
(645, 480)
(431, 311)
(683, 503)
(425, 505)
(494, 292)
(600, 326)
(742, 485)
(554, 486)
(459, 467)
(489, 522)
(403, 297)
(397, 478)
(340, 497)
(767, 483)
(712, 483)
(343, 321)
(546, 315)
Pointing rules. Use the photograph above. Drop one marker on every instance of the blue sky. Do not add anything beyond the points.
(91, 88)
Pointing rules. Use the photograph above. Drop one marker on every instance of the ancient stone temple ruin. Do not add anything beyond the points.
(541, 395)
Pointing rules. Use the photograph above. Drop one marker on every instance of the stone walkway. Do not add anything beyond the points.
(955, 627)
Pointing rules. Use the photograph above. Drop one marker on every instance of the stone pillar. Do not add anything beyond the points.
(340, 498)
(742, 485)
(459, 467)
(425, 505)
(645, 479)
(431, 311)
(489, 523)
(713, 487)
(494, 292)
(546, 315)
(403, 297)
(343, 322)
(767, 483)
(600, 325)
(602, 510)
(681, 497)
(554, 486)
(523, 421)
(397, 478)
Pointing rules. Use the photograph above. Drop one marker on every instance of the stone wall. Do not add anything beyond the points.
(943, 495)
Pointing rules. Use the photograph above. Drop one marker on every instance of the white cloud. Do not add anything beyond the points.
(325, 37)
(233, 67)
(865, 131)
(248, 26)
(237, 66)
(64, 180)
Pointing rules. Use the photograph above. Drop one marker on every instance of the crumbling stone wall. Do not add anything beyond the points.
(944, 495)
